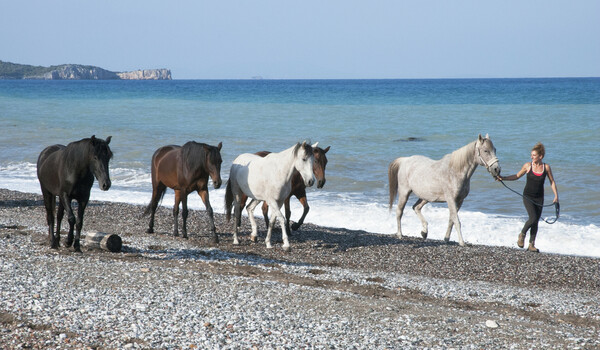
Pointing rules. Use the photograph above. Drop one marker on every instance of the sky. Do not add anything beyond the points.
(309, 39)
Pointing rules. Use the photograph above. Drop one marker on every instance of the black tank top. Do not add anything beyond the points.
(534, 187)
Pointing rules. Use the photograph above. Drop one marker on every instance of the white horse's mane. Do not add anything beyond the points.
(460, 158)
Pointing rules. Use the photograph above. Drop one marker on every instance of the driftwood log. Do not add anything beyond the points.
(107, 241)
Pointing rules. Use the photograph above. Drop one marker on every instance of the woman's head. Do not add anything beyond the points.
(539, 149)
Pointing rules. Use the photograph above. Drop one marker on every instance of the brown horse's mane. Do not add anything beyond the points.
(194, 155)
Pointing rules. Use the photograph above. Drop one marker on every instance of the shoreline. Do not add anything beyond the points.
(432, 293)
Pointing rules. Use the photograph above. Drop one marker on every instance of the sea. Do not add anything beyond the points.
(367, 123)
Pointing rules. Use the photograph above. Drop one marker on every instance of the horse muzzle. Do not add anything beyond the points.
(494, 170)
(320, 183)
(217, 184)
(104, 185)
(310, 182)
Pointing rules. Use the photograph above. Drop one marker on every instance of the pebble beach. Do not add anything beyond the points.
(335, 289)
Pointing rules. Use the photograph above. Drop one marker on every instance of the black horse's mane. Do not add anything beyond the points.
(193, 155)
(78, 150)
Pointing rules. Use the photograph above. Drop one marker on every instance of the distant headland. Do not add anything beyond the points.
(77, 72)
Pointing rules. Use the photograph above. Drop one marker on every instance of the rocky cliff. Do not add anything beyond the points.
(146, 74)
(77, 72)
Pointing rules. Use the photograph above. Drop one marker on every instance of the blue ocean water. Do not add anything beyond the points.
(367, 123)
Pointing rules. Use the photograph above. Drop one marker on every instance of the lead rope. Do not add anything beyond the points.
(556, 205)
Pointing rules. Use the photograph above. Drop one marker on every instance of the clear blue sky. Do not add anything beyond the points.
(279, 39)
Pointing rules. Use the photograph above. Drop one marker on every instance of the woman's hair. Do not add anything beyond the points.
(539, 149)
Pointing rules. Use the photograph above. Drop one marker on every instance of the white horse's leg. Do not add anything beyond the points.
(237, 218)
(453, 208)
(270, 230)
(402, 198)
(250, 208)
(417, 208)
(276, 215)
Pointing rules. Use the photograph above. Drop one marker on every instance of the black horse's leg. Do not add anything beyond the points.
(59, 216)
(50, 204)
(209, 210)
(79, 224)
(66, 202)
(184, 215)
(157, 193)
(176, 213)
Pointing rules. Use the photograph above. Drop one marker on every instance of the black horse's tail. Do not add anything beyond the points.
(228, 200)
(393, 180)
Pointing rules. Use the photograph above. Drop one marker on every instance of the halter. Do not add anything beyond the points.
(487, 165)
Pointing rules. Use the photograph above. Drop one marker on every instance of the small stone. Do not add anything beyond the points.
(491, 324)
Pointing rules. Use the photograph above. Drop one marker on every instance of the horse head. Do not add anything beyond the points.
(100, 155)
(213, 163)
(303, 162)
(320, 164)
(486, 155)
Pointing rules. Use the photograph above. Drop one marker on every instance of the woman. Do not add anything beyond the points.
(536, 171)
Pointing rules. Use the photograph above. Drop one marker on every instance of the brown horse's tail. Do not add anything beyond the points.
(228, 200)
(393, 180)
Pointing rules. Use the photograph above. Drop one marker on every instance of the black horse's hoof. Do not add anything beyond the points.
(150, 230)
(295, 226)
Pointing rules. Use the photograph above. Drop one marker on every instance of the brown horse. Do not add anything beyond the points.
(185, 169)
(68, 172)
(298, 188)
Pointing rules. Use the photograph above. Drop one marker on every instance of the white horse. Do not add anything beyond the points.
(267, 179)
(445, 180)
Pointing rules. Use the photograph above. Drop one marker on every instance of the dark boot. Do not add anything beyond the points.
(521, 240)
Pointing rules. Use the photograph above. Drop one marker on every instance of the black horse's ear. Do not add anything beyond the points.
(93, 138)
(108, 140)
(220, 145)
(326, 149)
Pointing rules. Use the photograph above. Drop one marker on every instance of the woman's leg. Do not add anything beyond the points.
(535, 213)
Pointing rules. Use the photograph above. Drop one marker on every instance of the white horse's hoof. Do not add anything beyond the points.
(253, 238)
(399, 235)
(424, 235)
(446, 239)
(286, 248)
(236, 242)
(269, 246)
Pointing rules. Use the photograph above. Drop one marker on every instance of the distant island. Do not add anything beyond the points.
(77, 72)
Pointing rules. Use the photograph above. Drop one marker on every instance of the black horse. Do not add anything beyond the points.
(185, 169)
(68, 172)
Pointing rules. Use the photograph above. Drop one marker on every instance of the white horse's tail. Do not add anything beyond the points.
(228, 200)
(393, 180)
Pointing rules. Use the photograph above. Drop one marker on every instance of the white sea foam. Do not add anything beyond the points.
(348, 210)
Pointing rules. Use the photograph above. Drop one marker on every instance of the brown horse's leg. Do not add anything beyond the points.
(205, 199)
(81, 205)
(157, 193)
(50, 204)
(184, 215)
(265, 210)
(304, 203)
(176, 212)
